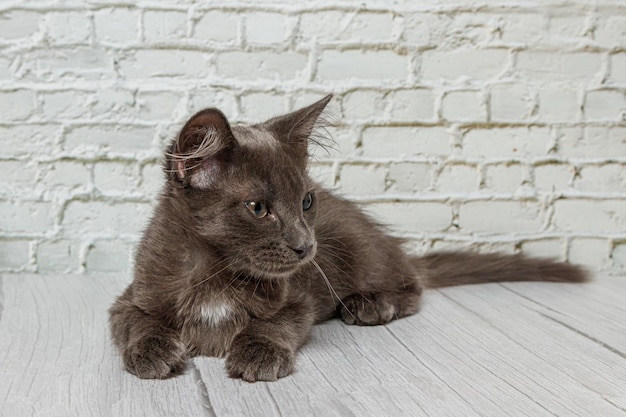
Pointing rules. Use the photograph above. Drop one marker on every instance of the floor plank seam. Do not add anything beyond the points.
(593, 339)
(432, 372)
(203, 390)
(274, 402)
(613, 404)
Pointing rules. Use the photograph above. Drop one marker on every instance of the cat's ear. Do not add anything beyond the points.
(296, 128)
(202, 149)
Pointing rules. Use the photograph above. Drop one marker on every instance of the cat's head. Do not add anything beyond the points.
(247, 189)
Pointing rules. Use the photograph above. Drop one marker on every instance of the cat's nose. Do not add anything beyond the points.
(303, 251)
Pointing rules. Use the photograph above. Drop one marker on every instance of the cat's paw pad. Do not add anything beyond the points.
(366, 309)
(258, 359)
(155, 357)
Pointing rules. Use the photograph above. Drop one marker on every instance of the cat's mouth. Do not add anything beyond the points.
(278, 266)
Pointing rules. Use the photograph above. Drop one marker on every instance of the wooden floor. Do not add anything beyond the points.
(490, 350)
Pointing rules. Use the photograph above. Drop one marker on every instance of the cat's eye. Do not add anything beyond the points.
(258, 208)
(307, 203)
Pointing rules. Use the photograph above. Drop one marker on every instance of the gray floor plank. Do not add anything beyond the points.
(557, 367)
(596, 310)
(57, 360)
(490, 350)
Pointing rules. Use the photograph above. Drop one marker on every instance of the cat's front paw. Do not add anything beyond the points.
(366, 309)
(155, 357)
(258, 359)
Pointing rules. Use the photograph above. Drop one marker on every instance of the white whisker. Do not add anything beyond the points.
(330, 287)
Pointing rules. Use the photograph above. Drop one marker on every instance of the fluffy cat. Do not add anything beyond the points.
(245, 253)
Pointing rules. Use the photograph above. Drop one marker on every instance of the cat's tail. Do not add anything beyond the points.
(445, 269)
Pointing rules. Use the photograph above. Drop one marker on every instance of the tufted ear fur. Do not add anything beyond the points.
(202, 149)
(297, 127)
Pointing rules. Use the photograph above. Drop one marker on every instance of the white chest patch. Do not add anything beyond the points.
(215, 312)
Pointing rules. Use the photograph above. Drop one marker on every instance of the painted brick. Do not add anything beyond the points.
(152, 180)
(398, 142)
(590, 216)
(164, 25)
(81, 62)
(618, 255)
(545, 248)
(18, 177)
(611, 31)
(16, 105)
(463, 106)
(364, 104)
(412, 105)
(6, 72)
(202, 98)
(566, 28)
(558, 104)
(413, 217)
(112, 177)
(608, 177)
(457, 178)
(339, 26)
(216, 26)
(58, 22)
(108, 256)
(158, 105)
(103, 139)
(108, 103)
(553, 177)
(362, 179)
(65, 174)
(370, 65)
(261, 106)
(477, 64)
(26, 217)
(28, 141)
(14, 254)
(426, 29)
(155, 63)
(592, 142)
(607, 105)
(546, 66)
(409, 177)
(500, 216)
(591, 252)
(264, 65)
(116, 25)
(525, 28)
(323, 174)
(104, 219)
(58, 256)
(504, 102)
(506, 142)
(265, 28)
(70, 104)
(618, 68)
(17, 24)
(506, 177)
(510, 103)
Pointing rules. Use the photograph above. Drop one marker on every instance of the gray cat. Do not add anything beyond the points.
(245, 253)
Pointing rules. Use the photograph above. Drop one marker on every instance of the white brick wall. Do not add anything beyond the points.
(496, 124)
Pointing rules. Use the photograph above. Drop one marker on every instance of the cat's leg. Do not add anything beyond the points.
(148, 348)
(265, 350)
(374, 308)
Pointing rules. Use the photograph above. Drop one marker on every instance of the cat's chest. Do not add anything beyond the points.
(216, 312)
(212, 326)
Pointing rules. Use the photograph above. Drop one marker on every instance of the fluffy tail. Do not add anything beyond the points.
(445, 269)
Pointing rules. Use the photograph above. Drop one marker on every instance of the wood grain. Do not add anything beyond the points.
(57, 359)
(490, 350)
